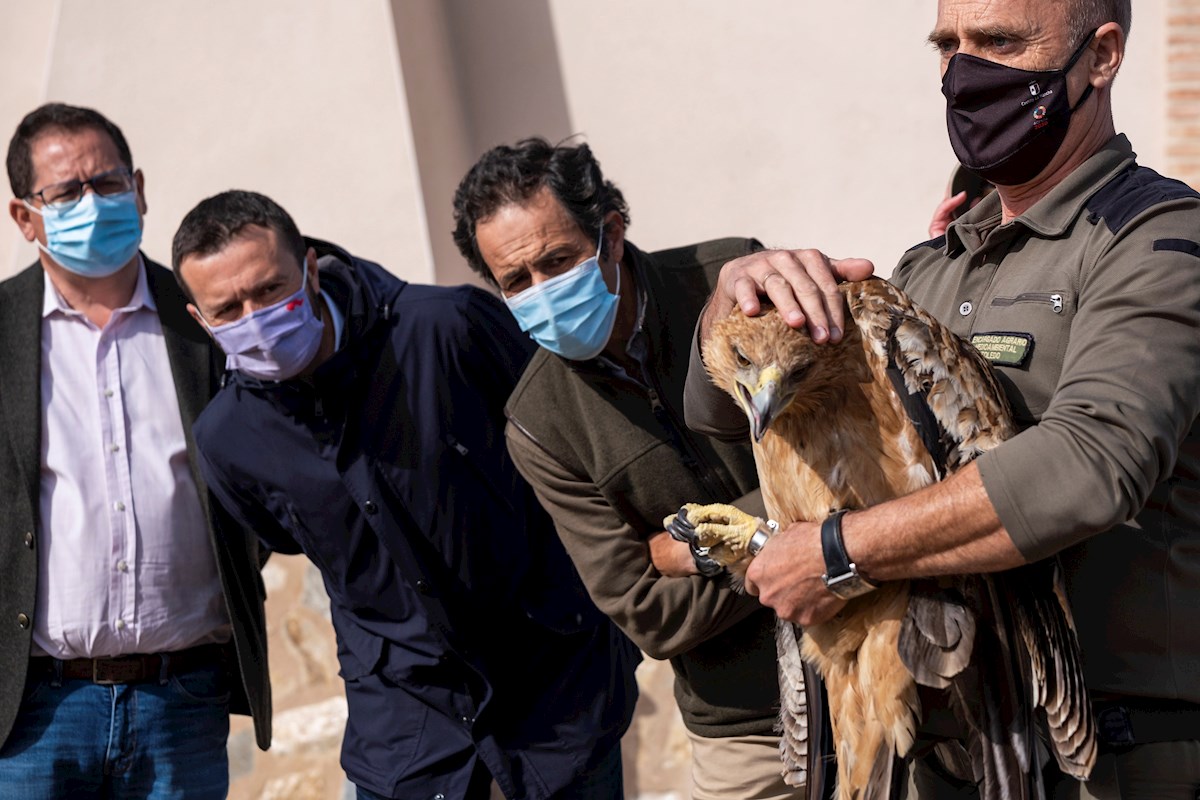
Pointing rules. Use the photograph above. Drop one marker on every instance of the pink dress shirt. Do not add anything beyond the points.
(125, 564)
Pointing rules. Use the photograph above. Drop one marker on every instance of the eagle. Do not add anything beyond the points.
(899, 403)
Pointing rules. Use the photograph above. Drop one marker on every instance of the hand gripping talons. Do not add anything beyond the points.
(721, 532)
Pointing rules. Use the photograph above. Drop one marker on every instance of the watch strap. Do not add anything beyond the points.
(837, 562)
(841, 574)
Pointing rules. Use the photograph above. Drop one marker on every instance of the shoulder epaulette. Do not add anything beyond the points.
(1132, 192)
(935, 244)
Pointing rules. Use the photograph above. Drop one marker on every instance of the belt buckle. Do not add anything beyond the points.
(116, 671)
(1116, 729)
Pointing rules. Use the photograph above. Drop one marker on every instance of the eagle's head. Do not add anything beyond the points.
(771, 369)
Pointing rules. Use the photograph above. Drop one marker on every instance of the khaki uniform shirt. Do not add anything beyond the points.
(1089, 306)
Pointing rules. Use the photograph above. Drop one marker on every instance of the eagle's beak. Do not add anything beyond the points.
(764, 401)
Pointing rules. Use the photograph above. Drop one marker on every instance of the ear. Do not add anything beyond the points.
(139, 181)
(1108, 52)
(26, 220)
(614, 235)
(195, 312)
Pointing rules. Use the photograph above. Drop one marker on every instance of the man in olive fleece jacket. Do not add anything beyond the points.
(596, 427)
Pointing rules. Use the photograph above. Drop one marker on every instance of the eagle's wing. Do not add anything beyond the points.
(960, 410)
(969, 408)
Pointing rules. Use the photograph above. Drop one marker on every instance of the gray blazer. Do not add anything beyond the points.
(196, 368)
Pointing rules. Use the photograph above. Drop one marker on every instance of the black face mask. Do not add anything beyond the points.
(1006, 124)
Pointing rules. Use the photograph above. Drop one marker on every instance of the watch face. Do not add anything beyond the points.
(848, 585)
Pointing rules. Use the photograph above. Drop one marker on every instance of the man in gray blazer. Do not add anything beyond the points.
(131, 608)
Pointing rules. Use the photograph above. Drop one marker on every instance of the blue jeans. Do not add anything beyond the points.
(153, 740)
(603, 781)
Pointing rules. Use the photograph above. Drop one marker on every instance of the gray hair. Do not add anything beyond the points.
(1087, 15)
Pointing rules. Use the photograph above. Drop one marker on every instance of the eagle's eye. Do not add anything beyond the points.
(741, 358)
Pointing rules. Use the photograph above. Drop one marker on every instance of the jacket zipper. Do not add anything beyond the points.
(480, 473)
(688, 448)
(1053, 299)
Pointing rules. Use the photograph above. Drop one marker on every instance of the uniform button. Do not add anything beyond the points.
(114, 447)
(966, 308)
(29, 540)
(122, 566)
(467, 720)
(423, 586)
(370, 507)
(23, 621)
(119, 624)
(108, 392)
(119, 506)
(440, 796)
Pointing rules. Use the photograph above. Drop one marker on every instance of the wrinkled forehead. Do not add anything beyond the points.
(1021, 18)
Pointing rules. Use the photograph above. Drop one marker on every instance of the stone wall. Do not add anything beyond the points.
(310, 709)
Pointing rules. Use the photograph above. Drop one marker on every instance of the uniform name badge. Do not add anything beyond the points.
(1005, 349)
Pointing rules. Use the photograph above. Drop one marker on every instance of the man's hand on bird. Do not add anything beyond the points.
(802, 284)
(786, 576)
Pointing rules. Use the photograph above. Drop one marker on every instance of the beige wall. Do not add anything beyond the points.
(301, 101)
(799, 123)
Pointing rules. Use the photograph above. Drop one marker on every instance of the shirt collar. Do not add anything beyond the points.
(53, 301)
(335, 319)
(635, 346)
(1054, 213)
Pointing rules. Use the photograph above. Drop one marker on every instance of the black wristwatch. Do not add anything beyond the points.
(841, 574)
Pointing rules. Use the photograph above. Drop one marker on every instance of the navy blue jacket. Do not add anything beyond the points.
(464, 633)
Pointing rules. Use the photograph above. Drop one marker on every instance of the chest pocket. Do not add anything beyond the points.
(1043, 317)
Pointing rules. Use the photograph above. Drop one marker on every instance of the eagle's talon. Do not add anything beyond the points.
(719, 532)
(680, 527)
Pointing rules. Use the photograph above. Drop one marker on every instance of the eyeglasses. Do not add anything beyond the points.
(63, 196)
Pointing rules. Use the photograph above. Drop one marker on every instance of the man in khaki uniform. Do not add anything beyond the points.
(1079, 278)
(596, 427)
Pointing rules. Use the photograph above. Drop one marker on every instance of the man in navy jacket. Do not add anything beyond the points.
(362, 424)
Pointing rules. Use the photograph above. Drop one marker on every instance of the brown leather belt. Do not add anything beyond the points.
(135, 668)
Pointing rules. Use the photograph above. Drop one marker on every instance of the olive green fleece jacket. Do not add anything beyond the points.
(610, 458)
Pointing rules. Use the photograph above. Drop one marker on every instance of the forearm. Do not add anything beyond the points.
(948, 528)
(664, 616)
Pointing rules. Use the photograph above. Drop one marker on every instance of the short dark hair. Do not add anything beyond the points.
(513, 174)
(216, 221)
(55, 117)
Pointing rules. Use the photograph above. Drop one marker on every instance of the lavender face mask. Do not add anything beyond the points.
(273, 343)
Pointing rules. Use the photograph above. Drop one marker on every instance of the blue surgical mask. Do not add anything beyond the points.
(571, 314)
(96, 236)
